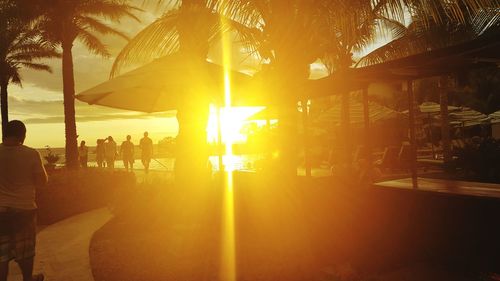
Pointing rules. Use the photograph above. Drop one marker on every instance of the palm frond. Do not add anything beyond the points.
(36, 66)
(112, 10)
(16, 78)
(160, 38)
(486, 19)
(34, 55)
(251, 13)
(93, 44)
(90, 23)
(391, 28)
(419, 38)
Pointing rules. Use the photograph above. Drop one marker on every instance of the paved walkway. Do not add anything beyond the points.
(63, 248)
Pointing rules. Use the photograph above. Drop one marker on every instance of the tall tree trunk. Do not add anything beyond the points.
(192, 149)
(4, 105)
(287, 78)
(193, 109)
(69, 106)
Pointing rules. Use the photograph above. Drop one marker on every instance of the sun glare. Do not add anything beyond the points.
(228, 258)
(232, 121)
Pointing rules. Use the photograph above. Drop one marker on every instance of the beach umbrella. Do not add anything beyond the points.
(457, 116)
(435, 108)
(467, 117)
(495, 117)
(162, 84)
(377, 112)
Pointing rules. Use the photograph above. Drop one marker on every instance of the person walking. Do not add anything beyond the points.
(83, 154)
(146, 145)
(21, 173)
(127, 153)
(100, 152)
(110, 153)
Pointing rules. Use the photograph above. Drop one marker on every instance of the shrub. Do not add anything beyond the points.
(72, 192)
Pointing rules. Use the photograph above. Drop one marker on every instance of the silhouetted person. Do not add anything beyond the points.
(146, 145)
(21, 171)
(110, 153)
(100, 152)
(127, 152)
(83, 154)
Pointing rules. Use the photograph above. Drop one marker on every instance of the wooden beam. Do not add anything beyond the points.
(413, 142)
(345, 127)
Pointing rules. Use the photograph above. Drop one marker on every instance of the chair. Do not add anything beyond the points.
(389, 158)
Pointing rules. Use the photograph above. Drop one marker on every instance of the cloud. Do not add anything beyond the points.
(90, 69)
(46, 112)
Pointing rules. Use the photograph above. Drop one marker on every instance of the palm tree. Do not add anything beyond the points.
(21, 46)
(189, 29)
(289, 34)
(336, 28)
(423, 34)
(63, 22)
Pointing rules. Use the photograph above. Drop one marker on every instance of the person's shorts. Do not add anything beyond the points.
(17, 234)
(128, 159)
(146, 158)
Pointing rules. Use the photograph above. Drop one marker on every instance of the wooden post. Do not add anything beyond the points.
(368, 144)
(345, 129)
(305, 124)
(431, 136)
(445, 125)
(413, 142)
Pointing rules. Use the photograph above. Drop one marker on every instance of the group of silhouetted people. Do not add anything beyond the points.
(107, 151)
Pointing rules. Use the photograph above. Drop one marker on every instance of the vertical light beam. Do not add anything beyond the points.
(228, 259)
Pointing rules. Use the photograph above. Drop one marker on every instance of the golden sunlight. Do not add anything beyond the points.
(228, 258)
(232, 121)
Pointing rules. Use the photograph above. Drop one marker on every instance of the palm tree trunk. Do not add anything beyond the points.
(69, 107)
(4, 105)
(192, 113)
(192, 149)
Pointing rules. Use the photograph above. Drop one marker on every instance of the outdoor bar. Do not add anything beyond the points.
(445, 62)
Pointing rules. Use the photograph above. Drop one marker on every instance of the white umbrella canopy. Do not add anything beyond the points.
(468, 117)
(457, 116)
(435, 108)
(495, 117)
(162, 84)
(377, 112)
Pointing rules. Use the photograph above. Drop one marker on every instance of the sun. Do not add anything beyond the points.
(232, 120)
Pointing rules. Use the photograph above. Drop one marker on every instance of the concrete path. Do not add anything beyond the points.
(63, 248)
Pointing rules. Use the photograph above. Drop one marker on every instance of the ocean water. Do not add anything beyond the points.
(162, 162)
(239, 162)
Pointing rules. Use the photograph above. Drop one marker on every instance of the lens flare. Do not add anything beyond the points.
(228, 262)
